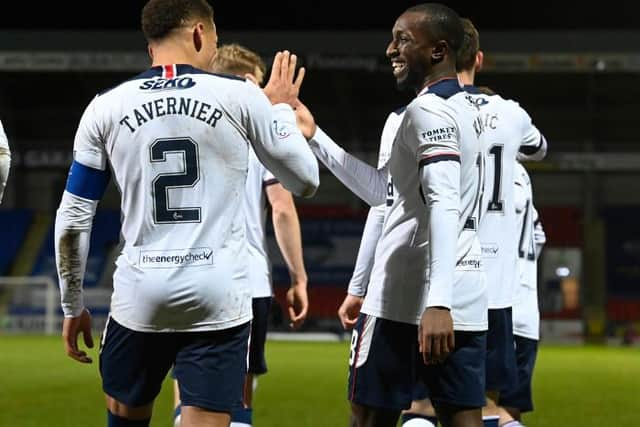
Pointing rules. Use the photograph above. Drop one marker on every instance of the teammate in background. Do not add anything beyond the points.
(526, 314)
(262, 186)
(508, 133)
(426, 269)
(176, 140)
(5, 160)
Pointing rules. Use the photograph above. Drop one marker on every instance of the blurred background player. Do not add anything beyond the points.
(5, 160)
(176, 139)
(508, 133)
(262, 186)
(526, 314)
(434, 194)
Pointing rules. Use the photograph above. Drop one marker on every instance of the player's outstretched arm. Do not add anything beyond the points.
(5, 160)
(286, 226)
(272, 129)
(365, 181)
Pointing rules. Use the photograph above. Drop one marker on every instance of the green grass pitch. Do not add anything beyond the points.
(573, 386)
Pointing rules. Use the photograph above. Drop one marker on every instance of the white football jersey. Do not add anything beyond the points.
(507, 131)
(176, 139)
(530, 239)
(373, 226)
(255, 206)
(437, 126)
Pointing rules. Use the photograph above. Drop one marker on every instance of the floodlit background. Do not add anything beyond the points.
(575, 70)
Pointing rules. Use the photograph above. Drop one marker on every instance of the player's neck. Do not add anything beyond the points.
(170, 53)
(466, 77)
(436, 77)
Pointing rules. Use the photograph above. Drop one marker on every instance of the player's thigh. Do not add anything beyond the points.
(501, 356)
(211, 367)
(382, 363)
(259, 325)
(459, 381)
(133, 364)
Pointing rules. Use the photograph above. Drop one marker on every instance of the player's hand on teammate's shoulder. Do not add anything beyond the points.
(350, 310)
(283, 85)
(71, 328)
(305, 121)
(435, 335)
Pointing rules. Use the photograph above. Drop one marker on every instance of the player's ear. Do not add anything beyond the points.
(150, 52)
(252, 78)
(439, 51)
(479, 61)
(197, 36)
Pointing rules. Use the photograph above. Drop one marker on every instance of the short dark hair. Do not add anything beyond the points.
(160, 17)
(470, 46)
(441, 23)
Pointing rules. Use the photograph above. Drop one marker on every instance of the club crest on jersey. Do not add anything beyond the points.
(280, 130)
(168, 84)
(476, 102)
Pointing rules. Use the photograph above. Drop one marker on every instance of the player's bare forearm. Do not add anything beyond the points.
(286, 225)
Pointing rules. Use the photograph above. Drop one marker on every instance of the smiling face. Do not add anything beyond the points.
(410, 51)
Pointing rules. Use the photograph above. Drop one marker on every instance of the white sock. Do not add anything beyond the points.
(513, 423)
(418, 422)
(235, 424)
(176, 421)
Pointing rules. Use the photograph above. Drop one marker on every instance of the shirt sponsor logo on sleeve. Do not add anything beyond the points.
(176, 258)
(439, 134)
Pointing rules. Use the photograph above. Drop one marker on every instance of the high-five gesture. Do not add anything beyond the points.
(283, 85)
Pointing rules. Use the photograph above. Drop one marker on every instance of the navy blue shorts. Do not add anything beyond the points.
(257, 360)
(420, 391)
(382, 363)
(502, 372)
(460, 380)
(210, 366)
(519, 397)
(385, 367)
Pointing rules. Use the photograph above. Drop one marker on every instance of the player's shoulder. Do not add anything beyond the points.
(173, 77)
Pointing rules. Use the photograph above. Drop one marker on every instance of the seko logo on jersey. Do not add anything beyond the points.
(168, 84)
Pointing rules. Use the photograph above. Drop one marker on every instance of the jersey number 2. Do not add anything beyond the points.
(163, 182)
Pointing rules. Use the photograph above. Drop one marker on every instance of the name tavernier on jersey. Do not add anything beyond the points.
(170, 105)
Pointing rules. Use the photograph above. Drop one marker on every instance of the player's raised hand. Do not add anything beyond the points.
(298, 304)
(283, 85)
(71, 328)
(305, 121)
(350, 310)
(435, 335)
